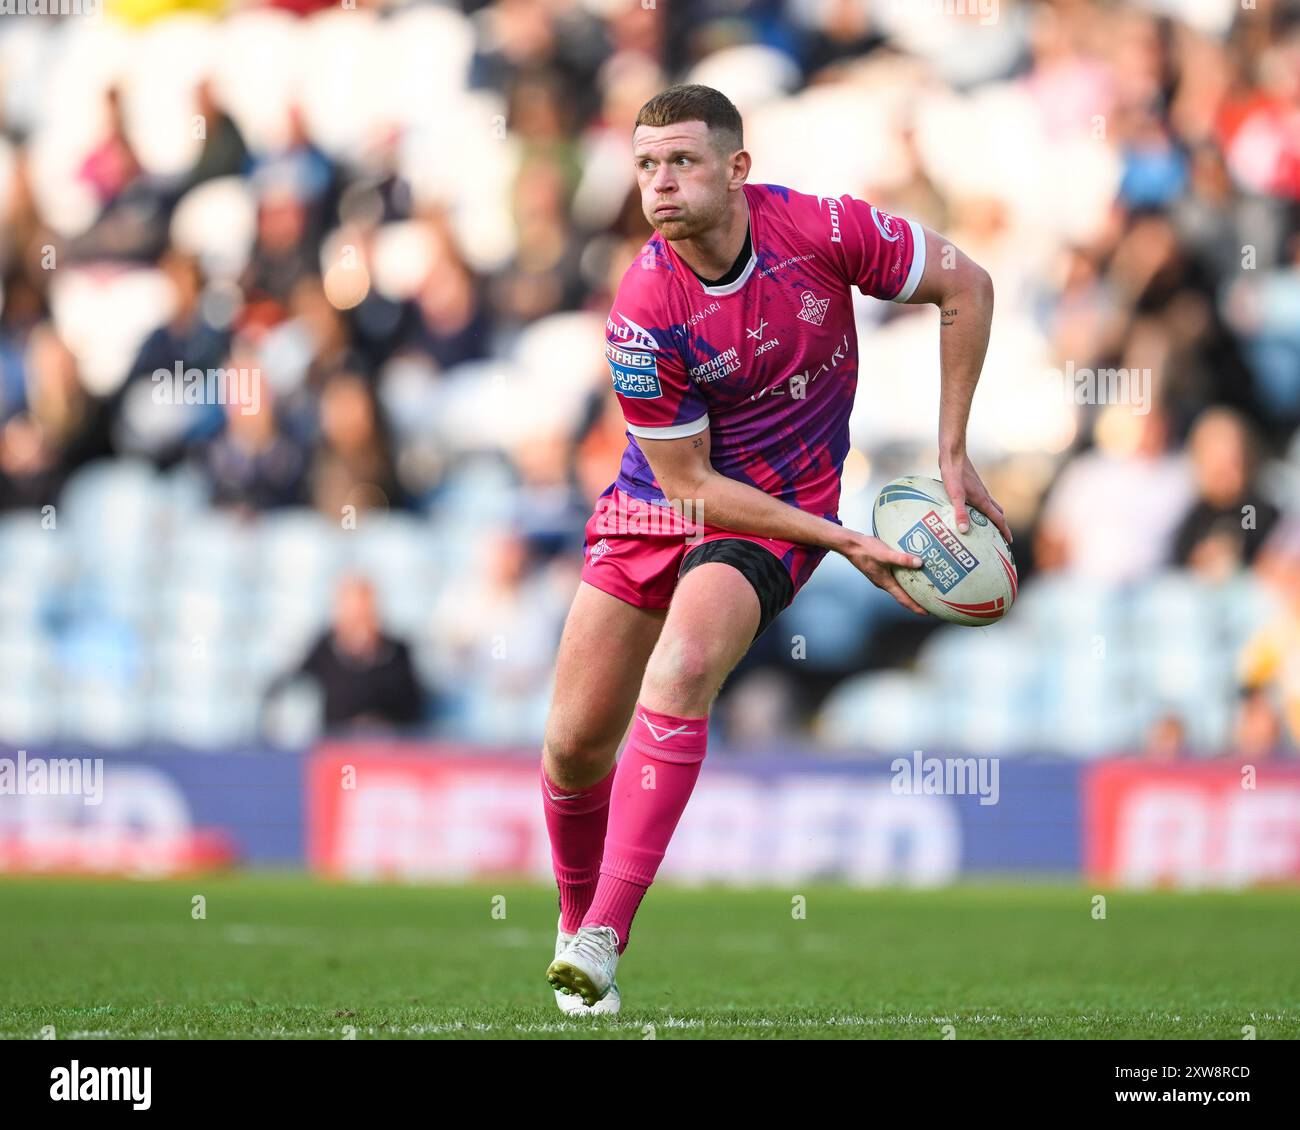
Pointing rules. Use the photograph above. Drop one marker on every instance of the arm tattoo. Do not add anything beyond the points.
(698, 443)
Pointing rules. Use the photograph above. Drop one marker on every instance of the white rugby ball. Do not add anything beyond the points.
(968, 578)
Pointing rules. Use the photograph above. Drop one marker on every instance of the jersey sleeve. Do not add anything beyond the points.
(650, 379)
(881, 254)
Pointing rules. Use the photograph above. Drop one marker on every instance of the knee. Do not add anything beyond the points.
(682, 677)
(576, 758)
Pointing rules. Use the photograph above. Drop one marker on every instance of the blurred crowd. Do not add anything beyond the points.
(402, 224)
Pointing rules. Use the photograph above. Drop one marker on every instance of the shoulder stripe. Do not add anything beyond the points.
(913, 279)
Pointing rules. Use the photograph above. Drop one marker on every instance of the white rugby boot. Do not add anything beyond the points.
(571, 1003)
(584, 966)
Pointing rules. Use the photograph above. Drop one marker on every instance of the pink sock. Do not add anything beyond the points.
(575, 821)
(652, 783)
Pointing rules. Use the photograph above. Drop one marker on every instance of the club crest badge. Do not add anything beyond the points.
(814, 308)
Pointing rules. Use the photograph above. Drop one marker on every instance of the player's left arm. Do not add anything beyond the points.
(892, 258)
(963, 291)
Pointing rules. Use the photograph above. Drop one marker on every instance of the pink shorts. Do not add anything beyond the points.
(634, 550)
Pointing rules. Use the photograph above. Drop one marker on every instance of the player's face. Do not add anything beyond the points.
(683, 178)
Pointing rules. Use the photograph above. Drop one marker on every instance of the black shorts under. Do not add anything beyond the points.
(760, 567)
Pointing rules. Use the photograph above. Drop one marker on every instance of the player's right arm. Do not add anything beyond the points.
(683, 470)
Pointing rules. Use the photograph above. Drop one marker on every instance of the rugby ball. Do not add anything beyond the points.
(967, 579)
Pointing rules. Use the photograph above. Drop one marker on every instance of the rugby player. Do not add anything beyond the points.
(733, 352)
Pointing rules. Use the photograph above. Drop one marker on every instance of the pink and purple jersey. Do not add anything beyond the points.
(769, 363)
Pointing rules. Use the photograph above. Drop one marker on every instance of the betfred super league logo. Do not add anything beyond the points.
(814, 308)
(944, 557)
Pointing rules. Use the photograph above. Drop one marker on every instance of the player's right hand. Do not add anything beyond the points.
(873, 558)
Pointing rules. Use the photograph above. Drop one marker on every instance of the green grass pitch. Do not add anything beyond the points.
(282, 956)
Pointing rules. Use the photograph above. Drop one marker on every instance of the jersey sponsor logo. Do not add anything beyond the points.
(700, 315)
(715, 368)
(885, 225)
(814, 308)
(631, 358)
(757, 335)
(796, 385)
(944, 559)
(781, 266)
(834, 206)
(641, 381)
(629, 333)
(634, 370)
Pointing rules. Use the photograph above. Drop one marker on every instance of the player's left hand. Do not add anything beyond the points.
(966, 488)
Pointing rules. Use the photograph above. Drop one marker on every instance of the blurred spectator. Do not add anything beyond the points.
(1230, 520)
(1256, 123)
(223, 153)
(353, 466)
(299, 169)
(304, 351)
(760, 712)
(836, 31)
(1265, 309)
(365, 675)
(548, 509)
(1271, 659)
(1173, 330)
(1211, 220)
(252, 464)
(189, 339)
(452, 324)
(1155, 168)
(1111, 514)
(1086, 315)
(189, 336)
(527, 37)
(378, 193)
(24, 310)
(133, 206)
(544, 275)
(61, 426)
(29, 472)
(283, 254)
(501, 627)
(1166, 739)
(111, 165)
(1257, 730)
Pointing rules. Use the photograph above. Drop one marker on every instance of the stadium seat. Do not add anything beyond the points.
(882, 712)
